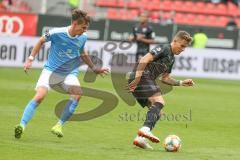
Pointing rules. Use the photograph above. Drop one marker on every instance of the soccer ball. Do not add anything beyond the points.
(172, 143)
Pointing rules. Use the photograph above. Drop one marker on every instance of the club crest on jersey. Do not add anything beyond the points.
(47, 34)
(158, 49)
(144, 29)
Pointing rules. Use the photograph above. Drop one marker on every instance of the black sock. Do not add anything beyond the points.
(153, 115)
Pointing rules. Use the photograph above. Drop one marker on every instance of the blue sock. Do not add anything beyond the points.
(28, 112)
(68, 111)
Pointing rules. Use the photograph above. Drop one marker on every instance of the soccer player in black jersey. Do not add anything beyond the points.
(144, 36)
(158, 62)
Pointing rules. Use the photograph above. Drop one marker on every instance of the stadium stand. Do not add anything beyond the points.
(15, 6)
(187, 12)
(190, 12)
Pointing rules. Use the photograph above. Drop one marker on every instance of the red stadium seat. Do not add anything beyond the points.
(133, 4)
(191, 19)
(121, 3)
(123, 14)
(181, 19)
(232, 9)
(188, 6)
(167, 15)
(178, 5)
(112, 14)
(154, 16)
(211, 20)
(216, 9)
(152, 6)
(119, 14)
(199, 7)
(109, 3)
(186, 11)
(20, 6)
(238, 12)
(166, 5)
(144, 2)
(221, 9)
(200, 20)
(178, 17)
(210, 8)
(222, 21)
(133, 12)
(127, 14)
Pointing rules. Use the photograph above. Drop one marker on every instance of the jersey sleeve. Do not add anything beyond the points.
(134, 31)
(48, 35)
(83, 46)
(151, 33)
(157, 51)
(170, 68)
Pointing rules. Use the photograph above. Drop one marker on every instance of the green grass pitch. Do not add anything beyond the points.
(208, 123)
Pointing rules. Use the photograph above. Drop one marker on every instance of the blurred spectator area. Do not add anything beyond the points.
(15, 6)
(54, 7)
(190, 12)
(202, 13)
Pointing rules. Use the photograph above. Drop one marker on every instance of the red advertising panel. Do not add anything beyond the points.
(14, 24)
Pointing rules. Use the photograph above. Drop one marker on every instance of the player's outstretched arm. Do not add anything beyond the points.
(188, 82)
(102, 71)
(35, 51)
(167, 79)
(131, 38)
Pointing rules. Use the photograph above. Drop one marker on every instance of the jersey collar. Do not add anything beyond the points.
(69, 34)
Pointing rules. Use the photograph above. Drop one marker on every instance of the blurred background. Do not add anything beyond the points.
(214, 24)
(211, 129)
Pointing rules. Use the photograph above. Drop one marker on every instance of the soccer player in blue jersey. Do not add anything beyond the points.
(61, 68)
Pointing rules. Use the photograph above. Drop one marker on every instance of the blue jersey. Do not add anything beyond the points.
(64, 52)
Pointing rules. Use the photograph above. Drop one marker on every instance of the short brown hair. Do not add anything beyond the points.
(183, 35)
(80, 16)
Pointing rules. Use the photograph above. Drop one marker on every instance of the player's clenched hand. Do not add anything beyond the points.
(133, 85)
(101, 71)
(187, 82)
(27, 65)
(131, 38)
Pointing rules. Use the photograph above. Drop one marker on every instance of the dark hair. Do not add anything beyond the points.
(80, 16)
(183, 35)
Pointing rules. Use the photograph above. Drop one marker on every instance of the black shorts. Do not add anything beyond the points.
(145, 89)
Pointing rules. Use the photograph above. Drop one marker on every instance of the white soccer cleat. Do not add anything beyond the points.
(142, 143)
(148, 134)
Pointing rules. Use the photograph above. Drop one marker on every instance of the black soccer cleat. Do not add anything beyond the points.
(18, 131)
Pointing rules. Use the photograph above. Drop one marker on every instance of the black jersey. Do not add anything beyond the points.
(147, 32)
(162, 63)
